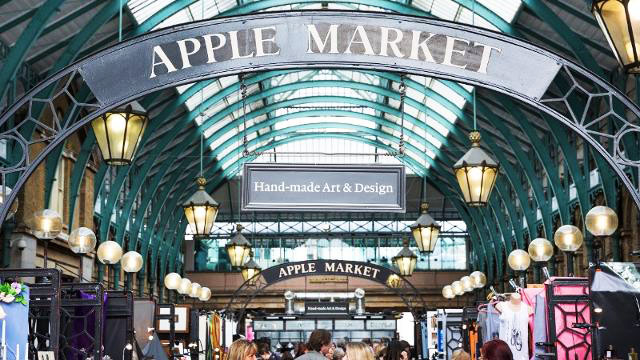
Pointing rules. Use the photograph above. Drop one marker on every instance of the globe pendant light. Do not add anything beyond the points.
(540, 250)
(250, 270)
(619, 20)
(132, 262)
(601, 220)
(406, 260)
(13, 209)
(467, 284)
(109, 252)
(172, 281)
(82, 240)
(200, 210)
(457, 288)
(118, 133)
(425, 230)
(519, 260)
(185, 286)
(479, 279)
(447, 292)
(238, 248)
(45, 224)
(568, 238)
(205, 294)
(195, 290)
(476, 173)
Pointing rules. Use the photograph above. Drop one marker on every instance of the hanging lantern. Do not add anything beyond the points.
(619, 20)
(406, 260)
(238, 248)
(195, 290)
(250, 270)
(479, 279)
(457, 288)
(172, 281)
(201, 210)
(109, 252)
(185, 286)
(132, 262)
(447, 292)
(205, 294)
(540, 250)
(519, 260)
(601, 220)
(476, 173)
(425, 230)
(568, 238)
(118, 133)
(45, 224)
(82, 240)
(467, 284)
(13, 209)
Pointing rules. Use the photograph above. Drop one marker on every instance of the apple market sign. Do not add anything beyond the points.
(316, 40)
(288, 187)
(326, 267)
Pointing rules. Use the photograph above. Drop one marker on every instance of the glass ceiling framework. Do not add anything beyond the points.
(225, 142)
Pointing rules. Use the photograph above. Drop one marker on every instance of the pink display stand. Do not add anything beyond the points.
(568, 303)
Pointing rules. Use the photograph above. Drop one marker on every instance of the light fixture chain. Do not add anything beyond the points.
(243, 93)
(403, 91)
(473, 22)
(120, 21)
(201, 152)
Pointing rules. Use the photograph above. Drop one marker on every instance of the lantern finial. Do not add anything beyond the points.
(201, 181)
(424, 207)
(475, 138)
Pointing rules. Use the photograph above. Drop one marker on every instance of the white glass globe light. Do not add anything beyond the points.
(82, 240)
(172, 281)
(195, 290)
(479, 279)
(185, 286)
(109, 252)
(132, 262)
(205, 294)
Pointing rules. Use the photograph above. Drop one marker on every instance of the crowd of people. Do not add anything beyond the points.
(321, 347)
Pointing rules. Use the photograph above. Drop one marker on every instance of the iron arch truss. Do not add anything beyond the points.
(601, 103)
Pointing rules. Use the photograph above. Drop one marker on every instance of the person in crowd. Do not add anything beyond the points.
(287, 355)
(342, 344)
(368, 342)
(318, 345)
(358, 351)
(242, 349)
(406, 353)
(264, 351)
(380, 351)
(301, 349)
(460, 354)
(329, 354)
(496, 350)
(338, 353)
(394, 351)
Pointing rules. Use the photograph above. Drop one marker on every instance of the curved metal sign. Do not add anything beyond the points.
(316, 40)
(291, 270)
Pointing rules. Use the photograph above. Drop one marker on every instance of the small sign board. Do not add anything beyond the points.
(326, 308)
(288, 187)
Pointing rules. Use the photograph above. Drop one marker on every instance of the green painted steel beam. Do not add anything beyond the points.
(29, 35)
(11, 23)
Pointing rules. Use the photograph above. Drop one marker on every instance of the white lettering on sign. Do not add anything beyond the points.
(393, 42)
(312, 187)
(329, 267)
(343, 39)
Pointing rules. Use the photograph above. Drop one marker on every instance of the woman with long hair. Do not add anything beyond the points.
(496, 350)
(358, 351)
(242, 349)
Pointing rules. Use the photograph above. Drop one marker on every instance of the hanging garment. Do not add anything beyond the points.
(489, 323)
(540, 325)
(473, 341)
(514, 330)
